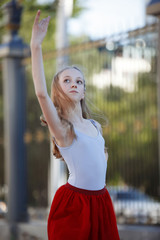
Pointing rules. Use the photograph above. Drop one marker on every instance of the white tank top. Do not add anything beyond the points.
(86, 160)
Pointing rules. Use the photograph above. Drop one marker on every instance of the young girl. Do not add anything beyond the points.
(82, 208)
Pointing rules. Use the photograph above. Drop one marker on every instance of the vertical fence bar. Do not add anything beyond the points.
(158, 97)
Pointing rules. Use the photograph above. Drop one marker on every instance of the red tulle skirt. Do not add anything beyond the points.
(79, 214)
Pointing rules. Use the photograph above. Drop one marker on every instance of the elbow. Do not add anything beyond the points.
(41, 94)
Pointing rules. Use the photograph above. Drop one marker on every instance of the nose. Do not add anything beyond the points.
(74, 85)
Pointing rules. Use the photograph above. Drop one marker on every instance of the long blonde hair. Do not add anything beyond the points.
(59, 103)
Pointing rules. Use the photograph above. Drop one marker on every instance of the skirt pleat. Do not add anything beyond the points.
(82, 215)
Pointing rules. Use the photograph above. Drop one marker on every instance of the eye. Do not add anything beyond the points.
(67, 80)
(79, 82)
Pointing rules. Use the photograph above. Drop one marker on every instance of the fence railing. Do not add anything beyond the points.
(121, 84)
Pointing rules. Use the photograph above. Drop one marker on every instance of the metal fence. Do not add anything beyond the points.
(120, 74)
(121, 84)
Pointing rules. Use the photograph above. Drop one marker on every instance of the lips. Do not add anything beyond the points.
(73, 91)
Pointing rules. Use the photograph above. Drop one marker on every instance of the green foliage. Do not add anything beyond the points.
(132, 136)
(78, 7)
(113, 94)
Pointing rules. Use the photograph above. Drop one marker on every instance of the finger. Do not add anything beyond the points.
(47, 21)
(37, 17)
(44, 22)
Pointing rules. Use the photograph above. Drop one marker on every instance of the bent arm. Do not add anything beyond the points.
(55, 125)
(53, 121)
(46, 104)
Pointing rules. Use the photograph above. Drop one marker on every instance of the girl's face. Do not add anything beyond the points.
(72, 84)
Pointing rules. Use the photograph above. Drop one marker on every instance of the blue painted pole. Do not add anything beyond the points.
(12, 52)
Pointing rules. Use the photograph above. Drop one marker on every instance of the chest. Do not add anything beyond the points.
(90, 131)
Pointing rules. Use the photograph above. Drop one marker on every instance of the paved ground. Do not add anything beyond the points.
(37, 230)
(130, 232)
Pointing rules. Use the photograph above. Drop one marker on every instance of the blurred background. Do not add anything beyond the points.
(116, 44)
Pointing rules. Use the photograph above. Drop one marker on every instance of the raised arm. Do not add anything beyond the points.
(49, 111)
(38, 33)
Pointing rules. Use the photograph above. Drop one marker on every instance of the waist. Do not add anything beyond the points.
(85, 191)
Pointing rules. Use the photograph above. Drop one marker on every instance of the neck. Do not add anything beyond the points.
(75, 115)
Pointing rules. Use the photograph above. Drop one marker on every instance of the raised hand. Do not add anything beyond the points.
(39, 29)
